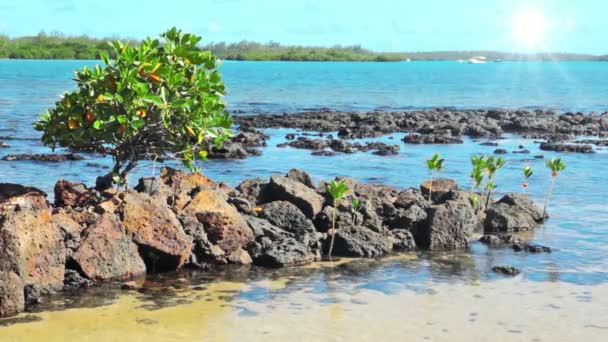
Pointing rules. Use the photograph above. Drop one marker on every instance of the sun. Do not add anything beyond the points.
(529, 27)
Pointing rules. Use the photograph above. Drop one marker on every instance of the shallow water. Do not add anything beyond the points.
(355, 300)
(410, 297)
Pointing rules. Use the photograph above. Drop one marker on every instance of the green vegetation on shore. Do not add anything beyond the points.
(59, 46)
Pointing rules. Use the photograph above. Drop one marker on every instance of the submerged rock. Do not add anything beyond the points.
(531, 248)
(431, 139)
(506, 270)
(561, 147)
(499, 240)
(73, 280)
(52, 157)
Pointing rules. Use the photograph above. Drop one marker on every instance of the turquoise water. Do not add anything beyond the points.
(578, 229)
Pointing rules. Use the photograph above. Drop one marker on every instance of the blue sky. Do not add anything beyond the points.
(383, 25)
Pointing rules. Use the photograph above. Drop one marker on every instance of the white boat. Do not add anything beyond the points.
(477, 60)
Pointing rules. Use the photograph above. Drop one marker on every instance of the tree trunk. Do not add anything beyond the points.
(431, 190)
(549, 192)
(333, 231)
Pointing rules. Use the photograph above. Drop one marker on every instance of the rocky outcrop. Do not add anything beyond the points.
(442, 122)
(184, 219)
(512, 213)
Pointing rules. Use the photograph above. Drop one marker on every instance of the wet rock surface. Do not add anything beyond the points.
(52, 157)
(438, 122)
(506, 270)
(566, 147)
(330, 147)
(240, 146)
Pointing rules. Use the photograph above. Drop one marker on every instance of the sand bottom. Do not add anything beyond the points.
(503, 310)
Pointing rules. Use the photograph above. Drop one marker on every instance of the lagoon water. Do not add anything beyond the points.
(423, 294)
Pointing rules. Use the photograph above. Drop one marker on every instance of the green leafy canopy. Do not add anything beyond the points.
(337, 189)
(435, 163)
(556, 165)
(162, 98)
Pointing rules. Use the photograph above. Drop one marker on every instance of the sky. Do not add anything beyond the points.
(381, 25)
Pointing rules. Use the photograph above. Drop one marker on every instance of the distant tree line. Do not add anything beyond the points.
(53, 46)
(59, 46)
(252, 51)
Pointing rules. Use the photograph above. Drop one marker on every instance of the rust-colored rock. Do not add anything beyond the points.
(70, 224)
(182, 184)
(224, 226)
(163, 243)
(71, 194)
(107, 252)
(12, 300)
(31, 246)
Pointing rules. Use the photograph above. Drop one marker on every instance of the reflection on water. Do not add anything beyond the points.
(413, 297)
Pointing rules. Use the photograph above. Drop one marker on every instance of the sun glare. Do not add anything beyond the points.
(529, 27)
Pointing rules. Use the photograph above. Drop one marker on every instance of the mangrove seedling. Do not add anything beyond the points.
(527, 170)
(434, 164)
(492, 166)
(555, 165)
(354, 207)
(477, 174)
(337, 190)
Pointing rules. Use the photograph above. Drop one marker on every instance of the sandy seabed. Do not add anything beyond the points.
(503, 310)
